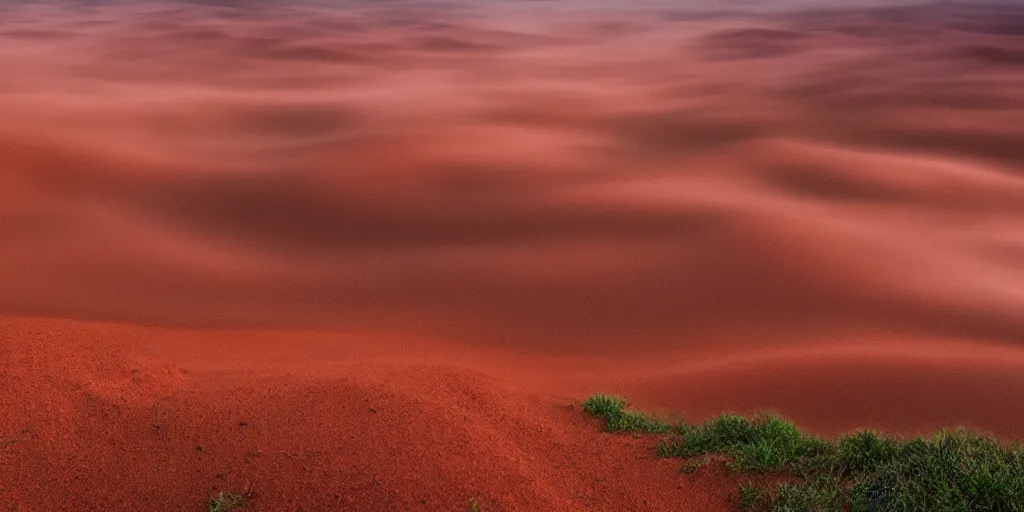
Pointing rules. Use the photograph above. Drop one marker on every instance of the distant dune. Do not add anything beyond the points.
(790, 206)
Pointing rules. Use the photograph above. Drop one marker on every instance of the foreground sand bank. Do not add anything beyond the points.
(109, 415)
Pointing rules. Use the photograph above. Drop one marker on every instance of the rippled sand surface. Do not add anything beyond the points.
(809, 209)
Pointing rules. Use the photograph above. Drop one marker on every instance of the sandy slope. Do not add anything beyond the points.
(100, 416)
(90, 425)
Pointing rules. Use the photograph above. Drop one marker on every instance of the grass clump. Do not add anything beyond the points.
(864, 451)
(618, 419)
(767, 443)
(751, 496)
(821, 495)
(952, 471)
(226, 502)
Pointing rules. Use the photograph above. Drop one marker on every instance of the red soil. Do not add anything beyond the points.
(468, 217)
(91, 424)
(110, 416)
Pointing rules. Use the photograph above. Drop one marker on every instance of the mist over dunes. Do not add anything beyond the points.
(791, 196)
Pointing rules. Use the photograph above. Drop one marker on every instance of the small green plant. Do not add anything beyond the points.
(864, 451)
(821, 495)
(226, 502)
(694, 464)
(750, 496)
(766, 444)
(617, 419)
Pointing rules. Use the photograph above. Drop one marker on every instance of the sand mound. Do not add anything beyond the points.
(114, 416)
(86, 425)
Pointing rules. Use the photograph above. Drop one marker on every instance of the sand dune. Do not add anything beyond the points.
(89, 424)
(111, 415)
(777, 205)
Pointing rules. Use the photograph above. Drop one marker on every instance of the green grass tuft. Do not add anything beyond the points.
(617, 419)
(820, 495)
(226, 502)
(751, 497)
(693, 465)
(864, 451)
(953, 471)
(766, 444)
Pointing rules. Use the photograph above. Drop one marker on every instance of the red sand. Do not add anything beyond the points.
(468, 216)
(89, 424)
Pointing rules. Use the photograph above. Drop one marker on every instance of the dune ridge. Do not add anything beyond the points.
(88, 424)
(377, 421)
